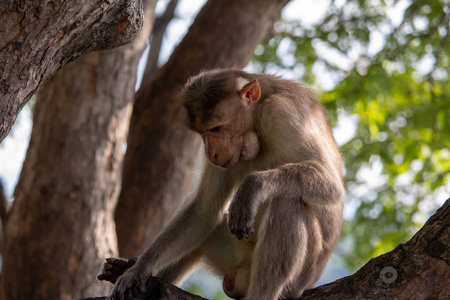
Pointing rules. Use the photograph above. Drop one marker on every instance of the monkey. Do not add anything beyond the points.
(267, 212)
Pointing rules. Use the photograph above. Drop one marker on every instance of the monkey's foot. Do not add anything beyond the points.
(113, 268)
(235, 283)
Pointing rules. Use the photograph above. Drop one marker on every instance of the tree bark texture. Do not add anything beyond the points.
(161, 155)
(61, 226)
(417, 270)
(37, 38)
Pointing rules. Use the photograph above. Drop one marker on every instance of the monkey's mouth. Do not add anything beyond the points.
(231, 162)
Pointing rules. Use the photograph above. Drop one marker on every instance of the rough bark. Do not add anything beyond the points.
(61, 225)
(416, 270)
(37, 38)
(161, 156)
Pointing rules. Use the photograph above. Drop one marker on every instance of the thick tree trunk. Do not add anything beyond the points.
(162, 153)
(39, 37)
(419, 269)
(61, 226)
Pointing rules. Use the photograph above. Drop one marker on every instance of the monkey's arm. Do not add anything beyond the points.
(310, 181)
(190, 227)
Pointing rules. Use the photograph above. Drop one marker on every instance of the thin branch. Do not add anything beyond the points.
(3, 207)
(159, 29)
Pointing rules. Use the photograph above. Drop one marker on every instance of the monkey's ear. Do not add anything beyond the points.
(189, 81)
(251, 92)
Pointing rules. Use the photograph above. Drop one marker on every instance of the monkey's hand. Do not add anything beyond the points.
(113, 268)
(243, 208)
(134, 276)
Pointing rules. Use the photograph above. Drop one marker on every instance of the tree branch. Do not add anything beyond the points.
(37, 38)
(159, 29)
(157, 289)
(419, 269)
(3, 206)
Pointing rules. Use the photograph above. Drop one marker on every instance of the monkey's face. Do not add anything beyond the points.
(223, 116)
(229, 134)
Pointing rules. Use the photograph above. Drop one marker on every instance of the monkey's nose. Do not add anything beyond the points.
(210, 153)
(212, 157)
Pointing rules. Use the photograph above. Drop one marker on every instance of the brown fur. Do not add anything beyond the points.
(281, 165)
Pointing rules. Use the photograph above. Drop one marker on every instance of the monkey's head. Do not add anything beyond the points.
(220, 108)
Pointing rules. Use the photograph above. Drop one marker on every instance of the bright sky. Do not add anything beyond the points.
(12, 151)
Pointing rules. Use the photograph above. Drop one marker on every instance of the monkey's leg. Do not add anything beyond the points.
(178, 271)
(310, 274)
(281, 250)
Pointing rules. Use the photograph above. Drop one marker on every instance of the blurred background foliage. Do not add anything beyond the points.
(382, 67)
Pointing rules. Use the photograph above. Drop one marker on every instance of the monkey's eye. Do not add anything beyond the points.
(214, 129)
